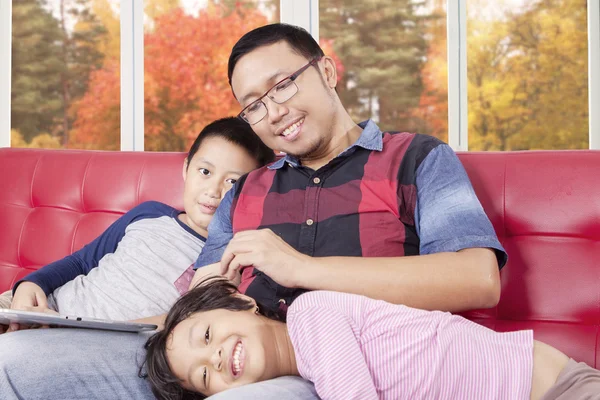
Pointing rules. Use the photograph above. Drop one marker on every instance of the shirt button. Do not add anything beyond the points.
(290, 165)
(309, 222)
(316, 181)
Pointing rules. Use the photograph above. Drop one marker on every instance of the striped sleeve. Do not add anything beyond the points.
(329, 355)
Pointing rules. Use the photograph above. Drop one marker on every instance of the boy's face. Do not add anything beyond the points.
(220, 349)
(210, 174)
(302, 125)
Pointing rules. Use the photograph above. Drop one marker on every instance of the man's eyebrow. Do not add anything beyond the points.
(272, 80)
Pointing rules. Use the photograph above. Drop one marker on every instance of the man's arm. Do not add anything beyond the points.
(456, 270)
(454, 281)
(448, 281)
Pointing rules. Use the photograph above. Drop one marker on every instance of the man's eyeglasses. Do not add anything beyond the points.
(281, 92)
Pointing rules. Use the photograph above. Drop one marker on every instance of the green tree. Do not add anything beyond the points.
(383, 47)
(51, 64)
(37, 67)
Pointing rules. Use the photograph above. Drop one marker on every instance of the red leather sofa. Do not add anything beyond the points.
(545, 207)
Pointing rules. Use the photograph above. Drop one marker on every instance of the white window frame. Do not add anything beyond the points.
(5, 66)
(594, 72)
(132, 75)
(304, 13)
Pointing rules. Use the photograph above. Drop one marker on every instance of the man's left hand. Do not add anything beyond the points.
(265, 251)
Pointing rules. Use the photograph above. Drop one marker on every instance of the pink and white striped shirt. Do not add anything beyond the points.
(353, 347)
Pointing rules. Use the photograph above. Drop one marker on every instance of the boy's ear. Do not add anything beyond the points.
(184, 171)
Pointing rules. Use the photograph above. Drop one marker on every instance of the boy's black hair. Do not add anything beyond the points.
(297, 38)
(238, 132)
(210, 294)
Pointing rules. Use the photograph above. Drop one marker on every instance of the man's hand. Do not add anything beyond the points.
(28, 297)
(266, 251)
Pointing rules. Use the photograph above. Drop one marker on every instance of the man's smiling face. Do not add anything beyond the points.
(302, 125)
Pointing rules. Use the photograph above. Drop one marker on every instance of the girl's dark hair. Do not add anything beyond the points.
(297, 38)
(210, 294)
(238, 132)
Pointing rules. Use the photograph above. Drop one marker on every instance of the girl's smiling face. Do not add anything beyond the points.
(215, 350)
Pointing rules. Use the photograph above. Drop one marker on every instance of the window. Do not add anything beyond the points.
(520, 74)
(527, 74)
(186, 49)
(65, 88)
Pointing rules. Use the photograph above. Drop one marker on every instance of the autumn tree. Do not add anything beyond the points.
(185, 76)
(51, 64)
(383, 47)
(527, 78)
(430, 116)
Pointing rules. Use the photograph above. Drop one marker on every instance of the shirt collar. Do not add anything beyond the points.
(370, 139)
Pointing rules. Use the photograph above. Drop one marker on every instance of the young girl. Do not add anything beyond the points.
(139, 265)
(352, 347)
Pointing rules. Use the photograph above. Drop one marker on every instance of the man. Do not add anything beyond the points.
(349, 208)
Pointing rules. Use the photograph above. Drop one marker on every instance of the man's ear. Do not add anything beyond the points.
(330, 71)
(185, 167)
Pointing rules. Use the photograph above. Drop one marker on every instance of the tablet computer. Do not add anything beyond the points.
(8, 316)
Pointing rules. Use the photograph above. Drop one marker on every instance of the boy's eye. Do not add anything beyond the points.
(231, 181)
(204, 376)
(204, 171)
(207, 335)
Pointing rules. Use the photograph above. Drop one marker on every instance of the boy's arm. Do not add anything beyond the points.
(56, 274)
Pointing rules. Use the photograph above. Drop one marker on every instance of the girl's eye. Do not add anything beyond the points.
(207, 335)
(204, 171)
(231, 181)
(204, 376)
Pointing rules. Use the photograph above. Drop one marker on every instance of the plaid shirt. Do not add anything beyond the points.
(387, 195)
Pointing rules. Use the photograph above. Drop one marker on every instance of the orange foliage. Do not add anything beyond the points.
(98, 113)
(185, 78)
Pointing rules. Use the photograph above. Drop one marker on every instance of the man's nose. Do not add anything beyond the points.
(275, 111)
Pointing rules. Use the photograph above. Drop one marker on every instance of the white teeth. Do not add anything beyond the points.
(236, 358)
(291, 128)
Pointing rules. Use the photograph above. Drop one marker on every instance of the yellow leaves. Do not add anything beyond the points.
(527, 77)
(110, 45)
(41, 141)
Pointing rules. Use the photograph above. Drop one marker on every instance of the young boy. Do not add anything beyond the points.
(134, 269)
(352, 347)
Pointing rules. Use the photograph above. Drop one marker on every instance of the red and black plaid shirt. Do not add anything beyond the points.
(362, 203)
